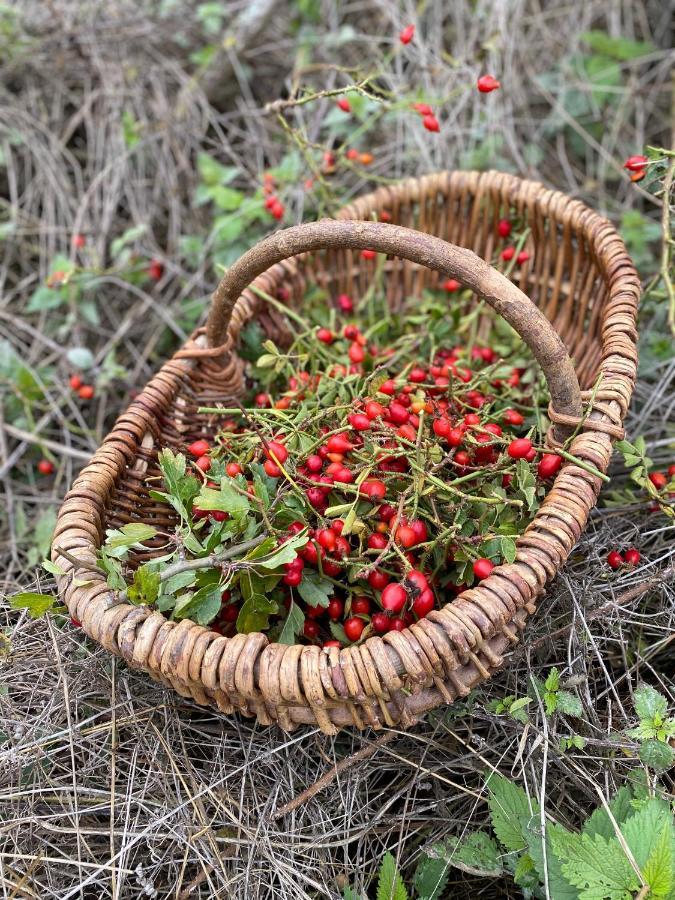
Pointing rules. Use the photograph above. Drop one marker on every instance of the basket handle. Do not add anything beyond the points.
(426, 250)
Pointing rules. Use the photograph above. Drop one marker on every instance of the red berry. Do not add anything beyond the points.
(377, 541)
(156, 269)
(416, 580)
(339, 443)
(614, 559)
(373, 409)
(45, 467)
(638, 176)
(332, 644)
(512, 417)
(508, 253)
(462, 458)
(345, 303)
(337, 525)
(442, 428)
(405, 536)
(487, 83)
(368, 254)
(203, 463)
(373, 489)
(493, 428)
(423, 604)
(658, 479)
(393, 598)
(75, 382)
(219, 515)
(325, 335)
(482, 568)
(549, 464)
(263, 401)
(78, 241)
(352, 153)
(378, 579)
(344, 105)
(344, 475)
(86, 392)
(276, 451)
(451, 285)
(635, 163)
(632, 557)
(359, 421)
(271, 469)
(360, 606)
(504, 228)
(230, 613)
(354, 628)
(233, 469)
(519, 448)
(278, 211)
(292, 578)
(407, 34)
(671, 471)
(327, 538)
(356, 353)
(310, 629)
(455, 437)
(522, 257)
(314, 463)
(199, 448)
(335, 608)
(424, 110)
(398, 413)
(419, 530)
(381, 622)
(431, 123)
(397, 625)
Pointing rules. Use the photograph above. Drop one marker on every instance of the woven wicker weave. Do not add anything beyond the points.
(582, 280)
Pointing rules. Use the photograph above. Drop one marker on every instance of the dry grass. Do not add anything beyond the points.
(113, 787)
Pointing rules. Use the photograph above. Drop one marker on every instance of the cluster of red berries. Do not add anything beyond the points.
(660, 479)
(83, 391)
(272, 203)
(631, 557)
(637, 166)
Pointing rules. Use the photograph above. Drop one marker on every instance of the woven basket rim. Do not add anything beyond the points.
(402, 674)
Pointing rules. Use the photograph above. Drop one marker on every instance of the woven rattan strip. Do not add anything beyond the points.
(580, 277)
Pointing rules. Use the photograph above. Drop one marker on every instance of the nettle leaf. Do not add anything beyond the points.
(476, 853)
(659, 869)
(621, 807)
(552, 682)
(508, 804)
(315, 590)
(559, 887)
(226, 499)
(569, 704)
(431, 876)
(181, 488)
(596, 866)
(657, 755)
(36, 604)
(293, 624)
(643, 830)
(144, 589)
(202, 606)
(120, 541)
(390, 884)
(650, 704)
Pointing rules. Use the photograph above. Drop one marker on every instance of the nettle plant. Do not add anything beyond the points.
(625, 849)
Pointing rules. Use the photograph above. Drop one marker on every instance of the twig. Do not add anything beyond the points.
(208, 562)
(338, 768)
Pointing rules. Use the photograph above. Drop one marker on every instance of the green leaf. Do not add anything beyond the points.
(643, 830)
(44, 298)
(621, 807)
(597, 867)
(226, 499)
(80, 358)
(202, 606)
(390, 884)
(36, 604)
(431, 876)
(119, 541)
(254, 614)
(620, 48)
(145, 587)
(569, 704)
(559, 886)
(657, 755)
(130, 129)
(650, 704)
(315, 590)
(286, 553)
(292, 625)
(552, 682)
(128, 237)
(113, 571)
(349, 894)
(213, 173)
(508, 803)
(226, 198)
(181, 488)
(659, 869)
(476, 853)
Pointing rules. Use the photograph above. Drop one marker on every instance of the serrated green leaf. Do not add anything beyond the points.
(390, 884)
(226, 499)
(315, 590)
(569, 704)
(559, 887)
(620, 48)
(643, 830)
(621, 807)
(431, 876)
(36, 604)
(657, 755)
(181, 488)
(286, 552)
(255, 613)
(597, 867)
(508, 803)
(659, 869)
(552, 682)
(476, 853)
(145, 587)
(650, 704)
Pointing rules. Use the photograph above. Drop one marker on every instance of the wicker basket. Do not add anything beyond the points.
(584, 294)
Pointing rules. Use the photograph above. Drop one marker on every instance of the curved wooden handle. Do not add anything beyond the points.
(426, 250)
